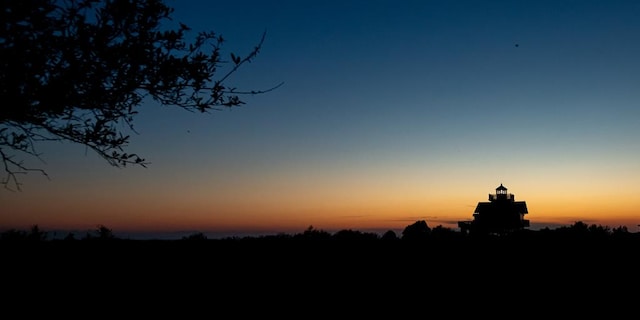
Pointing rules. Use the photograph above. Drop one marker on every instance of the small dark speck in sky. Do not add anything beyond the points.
(517, 45)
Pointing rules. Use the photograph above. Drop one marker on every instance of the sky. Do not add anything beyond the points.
(390, 112)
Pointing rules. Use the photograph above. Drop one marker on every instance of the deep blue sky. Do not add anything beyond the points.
(390, 112)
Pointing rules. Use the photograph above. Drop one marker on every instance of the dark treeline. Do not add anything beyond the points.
(571, 243)
(578, 245)
(319, 270)
(418, 231)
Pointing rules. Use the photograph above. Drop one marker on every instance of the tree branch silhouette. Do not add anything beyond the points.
(78, 70)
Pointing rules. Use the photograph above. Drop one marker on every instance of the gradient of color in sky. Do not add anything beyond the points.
(390, 112)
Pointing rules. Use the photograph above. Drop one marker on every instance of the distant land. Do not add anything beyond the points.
(57, 234)
(179, 234)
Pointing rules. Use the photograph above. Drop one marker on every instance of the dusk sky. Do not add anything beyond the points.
(390, 112)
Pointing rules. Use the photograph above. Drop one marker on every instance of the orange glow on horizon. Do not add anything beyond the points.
(293, 208)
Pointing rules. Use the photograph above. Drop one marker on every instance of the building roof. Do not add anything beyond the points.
(516, 206)
(501, 187)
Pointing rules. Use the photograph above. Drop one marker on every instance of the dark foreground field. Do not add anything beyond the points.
(460, 273)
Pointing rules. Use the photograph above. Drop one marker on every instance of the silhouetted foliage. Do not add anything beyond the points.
(314, 234)
(620, 233)
(419, 230)
(13, 235)
(583, 230)
(36, 234)
(389, 235)
(77, 71)
(355, 269)
(577, 233)
(195, 237)
(443, 233)
(620, 230)
(70, 236)
(354, 235)
(579, 227)
(101, 233)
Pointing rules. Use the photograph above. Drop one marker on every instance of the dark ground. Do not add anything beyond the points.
(275, 275)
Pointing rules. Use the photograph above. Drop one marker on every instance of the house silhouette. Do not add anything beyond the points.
(502, 214)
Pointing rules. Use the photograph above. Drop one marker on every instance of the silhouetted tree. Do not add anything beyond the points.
(620, 230)
(102, 233)
(354, 235)
(195, 236)
(314, 234)
(13, 235)
(78, 70)
(389, 235)
(36, 234)
(579, 227)
(419, 230)
(70, 236)
(443, 233)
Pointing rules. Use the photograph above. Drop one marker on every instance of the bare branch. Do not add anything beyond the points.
(78, 71)
(12, 169)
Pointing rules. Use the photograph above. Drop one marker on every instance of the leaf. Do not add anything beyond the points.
(235, 58)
